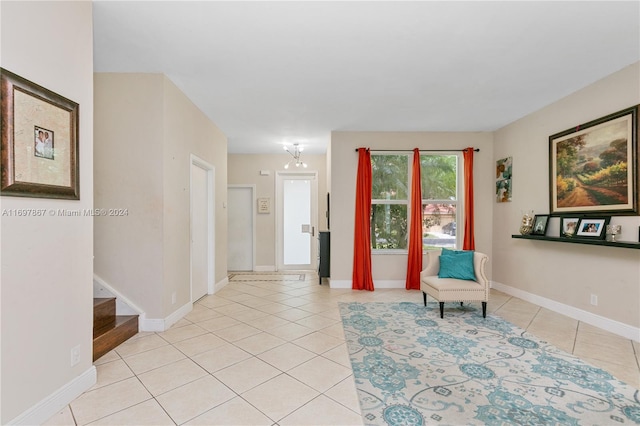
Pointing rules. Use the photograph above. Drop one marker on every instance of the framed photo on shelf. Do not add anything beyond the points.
(592, 227)
(593, 167)
(39, 141)
(540, 222)
(568, 226)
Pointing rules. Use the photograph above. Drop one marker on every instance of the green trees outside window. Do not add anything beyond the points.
(391, 177)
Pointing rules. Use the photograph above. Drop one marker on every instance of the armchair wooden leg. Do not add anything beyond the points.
(461, 303)
(441, 309)
(484, 309)
(424, 297)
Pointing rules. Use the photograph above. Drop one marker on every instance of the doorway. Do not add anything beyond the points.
(296, 220)
(202, 227)
(241, 228)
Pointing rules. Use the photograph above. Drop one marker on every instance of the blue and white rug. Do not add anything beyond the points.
(413, 368)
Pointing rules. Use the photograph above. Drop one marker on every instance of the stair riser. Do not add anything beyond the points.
(126, 327)
(104, 315)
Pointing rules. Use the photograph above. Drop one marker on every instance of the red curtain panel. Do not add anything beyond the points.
(469, 238)
(414, 260)
(362, 279)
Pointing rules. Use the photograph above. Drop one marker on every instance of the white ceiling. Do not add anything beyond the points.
(269, 73)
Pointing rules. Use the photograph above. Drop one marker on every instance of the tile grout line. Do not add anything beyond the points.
(575, 338)
(316, 297)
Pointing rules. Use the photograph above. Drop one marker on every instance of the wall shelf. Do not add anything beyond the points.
(573, 240)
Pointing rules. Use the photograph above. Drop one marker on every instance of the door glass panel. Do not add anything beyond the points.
(297, 212)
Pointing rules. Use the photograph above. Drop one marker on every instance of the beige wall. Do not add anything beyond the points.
(565, 273)
(47, 264)
(391, 268)
(245, 169)
(146, 130)
(188, 131)
(128, 174)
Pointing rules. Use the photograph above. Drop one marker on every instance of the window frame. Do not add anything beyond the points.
(458, 202)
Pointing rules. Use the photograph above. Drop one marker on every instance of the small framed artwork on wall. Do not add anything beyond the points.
(540, 222)
(503, 180)
(592, 227)
(568, 226)
(39, 138)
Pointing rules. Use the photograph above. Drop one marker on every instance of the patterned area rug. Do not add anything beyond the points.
(413, 368)
(267, 277)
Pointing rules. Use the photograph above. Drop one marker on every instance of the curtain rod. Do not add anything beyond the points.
(422, 150)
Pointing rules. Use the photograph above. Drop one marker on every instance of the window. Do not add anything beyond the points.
(390, 203)
(439, 175)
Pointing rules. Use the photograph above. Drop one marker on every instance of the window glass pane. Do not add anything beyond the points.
(389, 226)
(438, 173)
(390, 177)
(439, 225)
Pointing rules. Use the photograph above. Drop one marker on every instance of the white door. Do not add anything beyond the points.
(240, 236)
(201, 229)
(297, 220)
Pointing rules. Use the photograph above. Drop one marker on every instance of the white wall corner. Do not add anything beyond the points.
(177, 315)
(163, 324)
(150, 324)
(220, 285)
(46, 408)
(621, 329)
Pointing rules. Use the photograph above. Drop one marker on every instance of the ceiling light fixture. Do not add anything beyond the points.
(297, 150)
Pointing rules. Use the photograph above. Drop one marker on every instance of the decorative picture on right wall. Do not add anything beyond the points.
(593, 167)
(503, 179)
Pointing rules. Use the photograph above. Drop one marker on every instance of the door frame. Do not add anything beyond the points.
(253, 219)
(280, 176)
(211, 247)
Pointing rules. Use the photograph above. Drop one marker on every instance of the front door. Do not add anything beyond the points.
(297, 220)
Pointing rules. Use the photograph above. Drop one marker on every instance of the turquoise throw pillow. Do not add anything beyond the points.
(447, 252)
(457, 265)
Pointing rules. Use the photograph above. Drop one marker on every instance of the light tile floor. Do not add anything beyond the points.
(272, 352)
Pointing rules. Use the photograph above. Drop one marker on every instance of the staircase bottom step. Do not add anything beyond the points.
(126, 326)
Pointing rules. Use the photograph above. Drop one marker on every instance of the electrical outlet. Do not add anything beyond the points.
(173, 298)
(594, 300)
(75, 355)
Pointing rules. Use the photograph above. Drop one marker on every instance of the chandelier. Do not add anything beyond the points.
(297, 150)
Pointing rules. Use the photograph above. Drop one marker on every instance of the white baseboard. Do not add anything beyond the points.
(151, 324)
(616, 327)
(124, 306)
(339, 283)
(265, 268)
(163, 324)
(376, 283)
(177, 315)
(220, 285)
(45, 409)
(389, 283)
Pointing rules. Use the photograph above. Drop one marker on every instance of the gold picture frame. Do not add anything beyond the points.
(39, 141)
(593, 167)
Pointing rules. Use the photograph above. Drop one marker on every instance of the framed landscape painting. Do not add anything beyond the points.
(593, 168)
